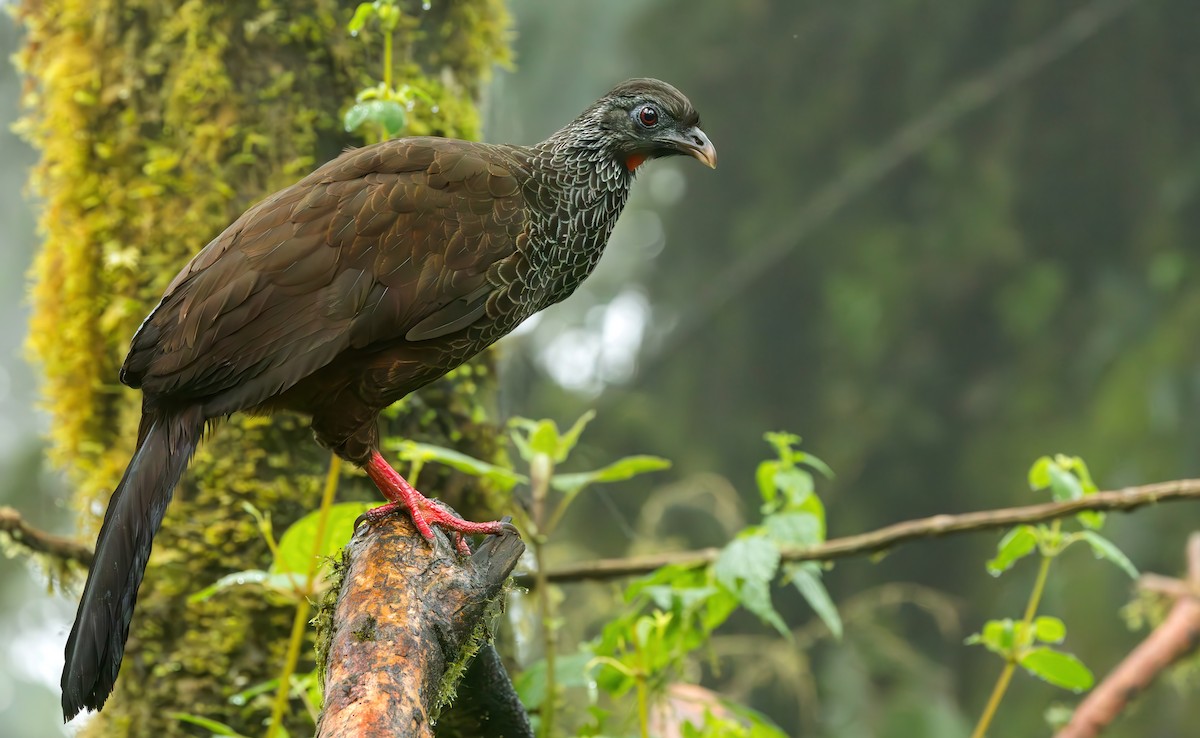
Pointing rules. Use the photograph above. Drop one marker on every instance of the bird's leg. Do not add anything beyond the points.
(423, 511)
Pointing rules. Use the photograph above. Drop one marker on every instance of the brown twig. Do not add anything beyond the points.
(1176, 637)
(891, 536)
(40, 542)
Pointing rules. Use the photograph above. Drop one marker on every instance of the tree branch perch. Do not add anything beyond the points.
(886, 538)
(407, 620)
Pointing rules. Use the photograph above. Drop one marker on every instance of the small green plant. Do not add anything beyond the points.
(674, 612)
(1030, 642)
(380, 111)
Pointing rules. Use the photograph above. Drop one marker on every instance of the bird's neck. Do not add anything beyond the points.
(581, 155)
(580, 186)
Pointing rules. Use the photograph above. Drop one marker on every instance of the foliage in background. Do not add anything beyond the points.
(1024, 283)
(1029, 643)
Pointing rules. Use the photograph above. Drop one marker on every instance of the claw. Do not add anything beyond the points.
(425, 513)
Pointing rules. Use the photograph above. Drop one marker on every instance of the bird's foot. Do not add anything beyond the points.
(425, 513)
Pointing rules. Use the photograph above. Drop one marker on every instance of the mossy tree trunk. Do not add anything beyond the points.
(158, 123)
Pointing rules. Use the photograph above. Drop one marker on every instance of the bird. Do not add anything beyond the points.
(335, 297)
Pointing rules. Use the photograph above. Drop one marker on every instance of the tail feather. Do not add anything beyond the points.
(135, 512)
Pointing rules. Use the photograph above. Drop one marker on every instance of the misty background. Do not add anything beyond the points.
(930, 313)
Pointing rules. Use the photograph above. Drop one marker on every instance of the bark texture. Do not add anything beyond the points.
(407, 621)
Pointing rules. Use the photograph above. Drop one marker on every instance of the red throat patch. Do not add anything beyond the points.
(633, 161)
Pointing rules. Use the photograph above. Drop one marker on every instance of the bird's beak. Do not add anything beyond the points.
(693, 142)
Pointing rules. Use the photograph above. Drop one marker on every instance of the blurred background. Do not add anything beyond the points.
(944, 239)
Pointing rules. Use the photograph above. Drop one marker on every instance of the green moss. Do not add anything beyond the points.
(365, 630)
(447, 688)
(158, 124)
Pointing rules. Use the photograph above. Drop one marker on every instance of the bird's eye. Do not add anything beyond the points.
(648, 116)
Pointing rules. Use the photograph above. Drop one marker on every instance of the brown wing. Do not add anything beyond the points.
(386, 243)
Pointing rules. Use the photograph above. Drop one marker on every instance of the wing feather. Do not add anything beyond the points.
(385, 244)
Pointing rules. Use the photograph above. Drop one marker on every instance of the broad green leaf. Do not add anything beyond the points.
(667, 597)
(795, 484)
(998, 636)
(1085, 477)
(1039, 473)
(807, 578)
(296, 544)
(543, 438)
(618, 471)
(746, 568)
(1058, 668)
(213, 726)
(519, 430)
(765, 477)
(1064, 485)
(794, 528)
(355, 117)
(389, 114)
(567, 441)
(502, 477)
(1014, 546)
(362, 14)
(1049, 629)
(1091, 519)
(1106, 549)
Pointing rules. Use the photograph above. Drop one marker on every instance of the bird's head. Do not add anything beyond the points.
(643, 119)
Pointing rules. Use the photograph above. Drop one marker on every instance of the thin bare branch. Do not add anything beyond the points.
(889, 537)
(37, 541)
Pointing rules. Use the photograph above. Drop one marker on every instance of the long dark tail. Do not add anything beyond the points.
(135, 512)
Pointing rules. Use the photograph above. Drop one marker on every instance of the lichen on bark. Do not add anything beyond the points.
(158, 123)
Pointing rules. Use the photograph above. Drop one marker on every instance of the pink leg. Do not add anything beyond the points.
(423, 511)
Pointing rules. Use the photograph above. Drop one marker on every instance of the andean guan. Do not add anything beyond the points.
(369, 278)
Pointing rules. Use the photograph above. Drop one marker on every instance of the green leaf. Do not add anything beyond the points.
(998, 636)
(1058, 668)
(765, 477)
(502, 477)
(1106, 549)
(807, 578)
(362, 14)
(567, 441)
(1014, 546)
(618, 471)
(795, 484)
(296, 544)
(1064, 485)
(1049, 629)
(1039, 473)
(746, 568)
(795, 528)
(543, 438)
(1091, 519)
(816, 463)
(213, 726)
(386, 113)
